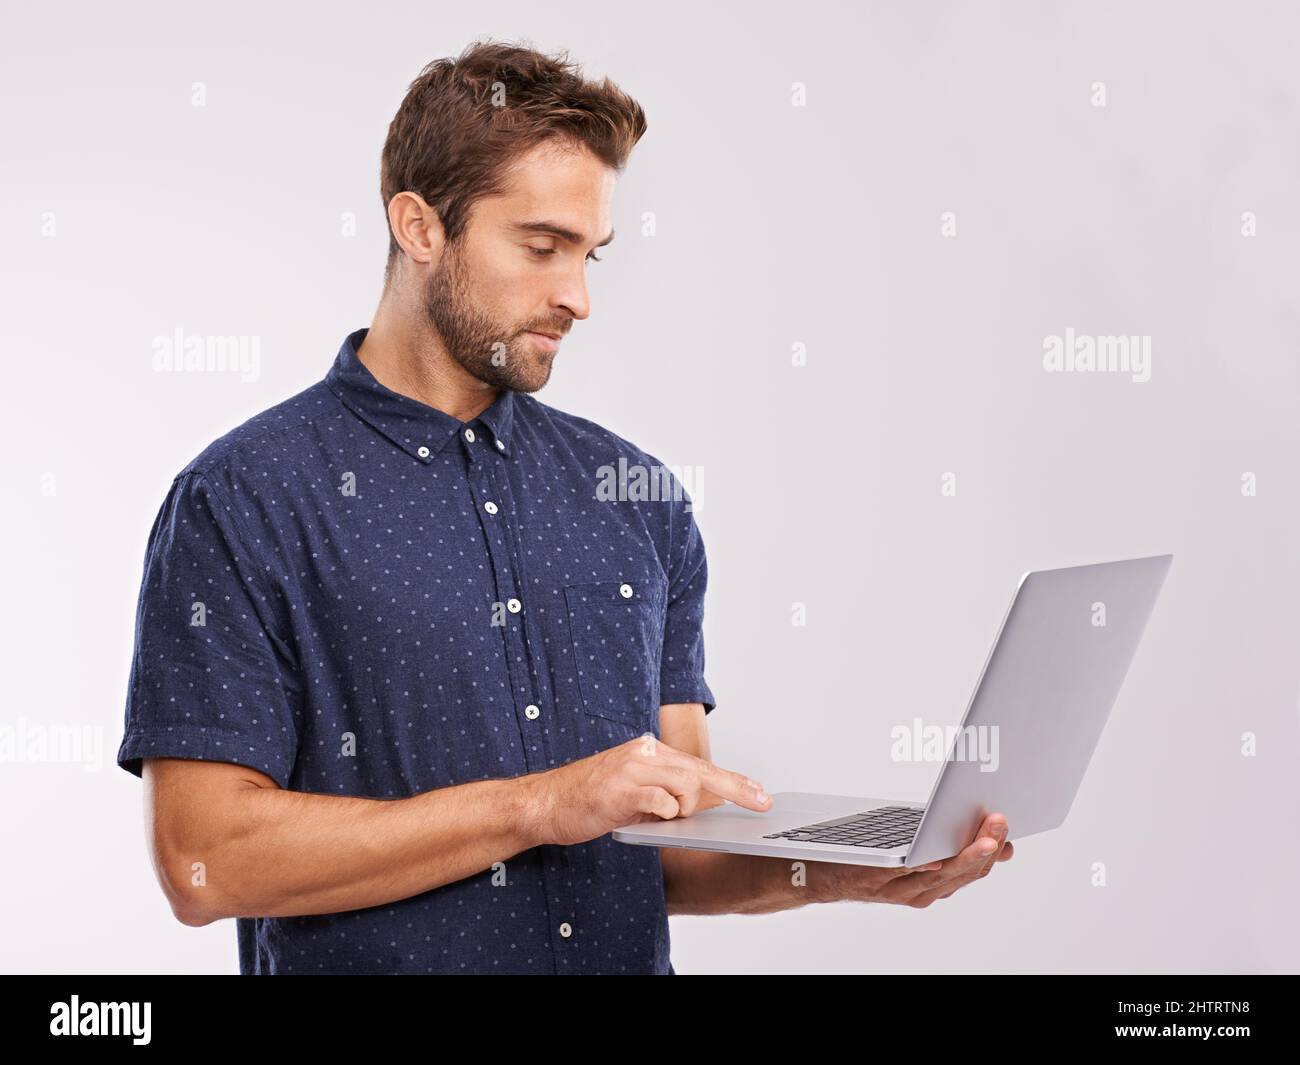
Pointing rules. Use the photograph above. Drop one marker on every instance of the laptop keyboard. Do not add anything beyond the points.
(883, 828)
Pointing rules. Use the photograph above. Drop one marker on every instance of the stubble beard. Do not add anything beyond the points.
(482, 346)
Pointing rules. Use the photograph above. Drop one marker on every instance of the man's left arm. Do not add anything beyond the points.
(710, 882)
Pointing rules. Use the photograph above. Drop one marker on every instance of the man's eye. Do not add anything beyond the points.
(542, 252)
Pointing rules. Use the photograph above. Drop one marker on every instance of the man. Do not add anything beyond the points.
(399, 670)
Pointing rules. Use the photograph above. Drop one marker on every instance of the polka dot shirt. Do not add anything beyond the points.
(358, 594)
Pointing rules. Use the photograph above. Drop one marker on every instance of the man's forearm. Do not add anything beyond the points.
(286, 853)
(709, 882)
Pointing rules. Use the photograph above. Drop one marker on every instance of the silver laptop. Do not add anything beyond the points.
(1021, 750)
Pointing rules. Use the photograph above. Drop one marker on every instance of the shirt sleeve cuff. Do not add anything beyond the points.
(686, 690)
(203, 744)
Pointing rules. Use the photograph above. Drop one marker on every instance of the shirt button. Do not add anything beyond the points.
(514, 605)
(422, 451)
(490, 507)
(469, 435)
(625, 591)
(565, 930)
(500, 445)
(532, 712)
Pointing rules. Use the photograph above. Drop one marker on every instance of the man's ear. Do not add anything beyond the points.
(416, 227)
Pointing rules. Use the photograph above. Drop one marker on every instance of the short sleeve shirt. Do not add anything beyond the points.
(358, 594)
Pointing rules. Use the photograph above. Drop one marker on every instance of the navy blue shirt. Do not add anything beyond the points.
(360, 595)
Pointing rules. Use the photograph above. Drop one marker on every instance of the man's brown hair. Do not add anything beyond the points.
(465, 119)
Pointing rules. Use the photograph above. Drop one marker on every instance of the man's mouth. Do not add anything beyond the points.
(549, 341)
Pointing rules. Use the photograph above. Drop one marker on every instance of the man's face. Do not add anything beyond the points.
(519, 269)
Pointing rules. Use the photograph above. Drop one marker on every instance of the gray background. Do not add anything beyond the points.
(775, 225)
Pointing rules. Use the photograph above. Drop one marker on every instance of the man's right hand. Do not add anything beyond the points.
(641, 780)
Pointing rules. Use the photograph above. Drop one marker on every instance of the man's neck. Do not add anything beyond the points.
(413, 362)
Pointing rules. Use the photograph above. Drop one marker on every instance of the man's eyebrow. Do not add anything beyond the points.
(556, 230)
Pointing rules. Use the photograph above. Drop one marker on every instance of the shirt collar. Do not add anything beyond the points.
(418, 429)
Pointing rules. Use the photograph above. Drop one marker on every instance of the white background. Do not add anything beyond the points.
(775, 225)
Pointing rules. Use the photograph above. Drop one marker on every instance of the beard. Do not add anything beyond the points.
(493, 352)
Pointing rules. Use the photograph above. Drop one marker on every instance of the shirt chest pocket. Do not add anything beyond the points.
(617, 629)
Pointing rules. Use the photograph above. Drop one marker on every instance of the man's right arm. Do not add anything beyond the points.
(227, 841)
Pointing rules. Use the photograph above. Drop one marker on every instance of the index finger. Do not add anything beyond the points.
(737, 787)
(995, 827)
(987, 842)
